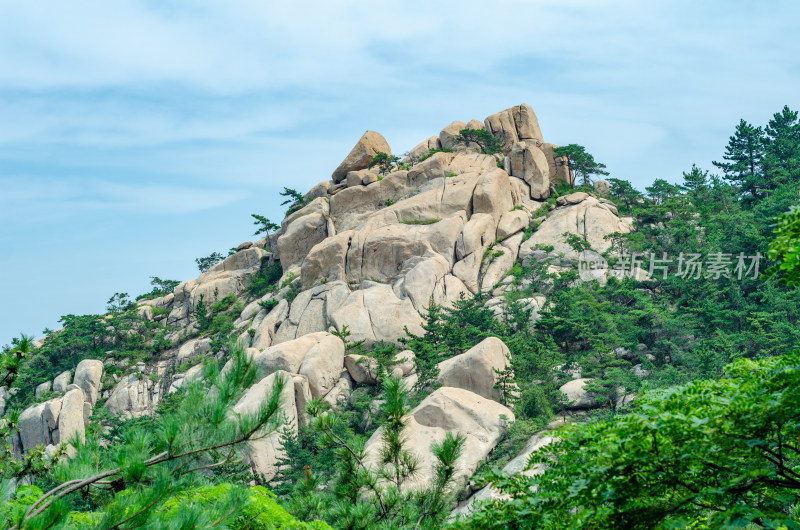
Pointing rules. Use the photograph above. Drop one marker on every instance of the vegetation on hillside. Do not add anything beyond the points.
(705, 344)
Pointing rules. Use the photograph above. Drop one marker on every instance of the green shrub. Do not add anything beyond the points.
(433, 152)
(426, 221)
(488, 143)
(265, 279)
(268, 305)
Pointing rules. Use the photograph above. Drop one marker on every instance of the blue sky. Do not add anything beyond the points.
(137, 136)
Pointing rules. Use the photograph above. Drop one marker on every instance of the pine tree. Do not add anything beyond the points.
(782, 156)
(743, 160)
(373, 495)
(581, 163)
(133, 478)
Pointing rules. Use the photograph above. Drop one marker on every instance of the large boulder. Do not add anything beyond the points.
(577, 396)
(266, 449)
(515, 124)
(42, 389)
(322, 365)
(291, 355)
(62, 381)
(134, 396)
(474, 370)
(375, 314)
(560, 172)
(89, 377)
(516, 466)
(482, 421)
(362, 369)
(54, 421)
(423, 148)
(450, 133)
(300, 236)
(230, 276)
(581, 215)
(529, 163)
(369, 145)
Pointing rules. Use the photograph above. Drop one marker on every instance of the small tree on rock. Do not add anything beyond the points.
(488, 143)
(581, 163)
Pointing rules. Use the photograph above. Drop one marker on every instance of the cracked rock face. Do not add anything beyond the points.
(368, 252)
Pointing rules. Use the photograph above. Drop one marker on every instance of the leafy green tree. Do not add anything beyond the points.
(624, 192)
(294, 199)
(12, 357)
(118, 302)
(662, 191)
(785, 248)
(581, 163)
(710, 454)
(203, 264)
(263, 225)
(160, 288)
(488, 143)
(384, 161)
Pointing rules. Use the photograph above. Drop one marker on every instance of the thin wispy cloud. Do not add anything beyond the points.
(173, 120)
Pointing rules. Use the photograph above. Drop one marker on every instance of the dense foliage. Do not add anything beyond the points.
(710, 454)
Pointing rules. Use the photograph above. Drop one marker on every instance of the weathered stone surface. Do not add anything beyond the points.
(230, 276)
(517, 465)
(369, 145)
(134, 396)
(73, 416)
(514, 124)
(322, 365)
(193, 349)
(512, 222)
(363, 369)
(54, 421)
(560, 172)
(493, 194)
(32, 427)
(340, 391)
(577, 395)
(419, 283)
(585, 218)
(482, 421)
(62, 381)
(300, 236)
(502, 259)
(326, 260)
(42, 388)
(89, 376)
(319, 205)
(423, 148)
(289, 356)
(602, 188)
(375, 313)
(478, 233)
(474, 370)
(311, 311)
(406, 362)
(266, 327)
(265, 451)
(448, 135)
(529, 163)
